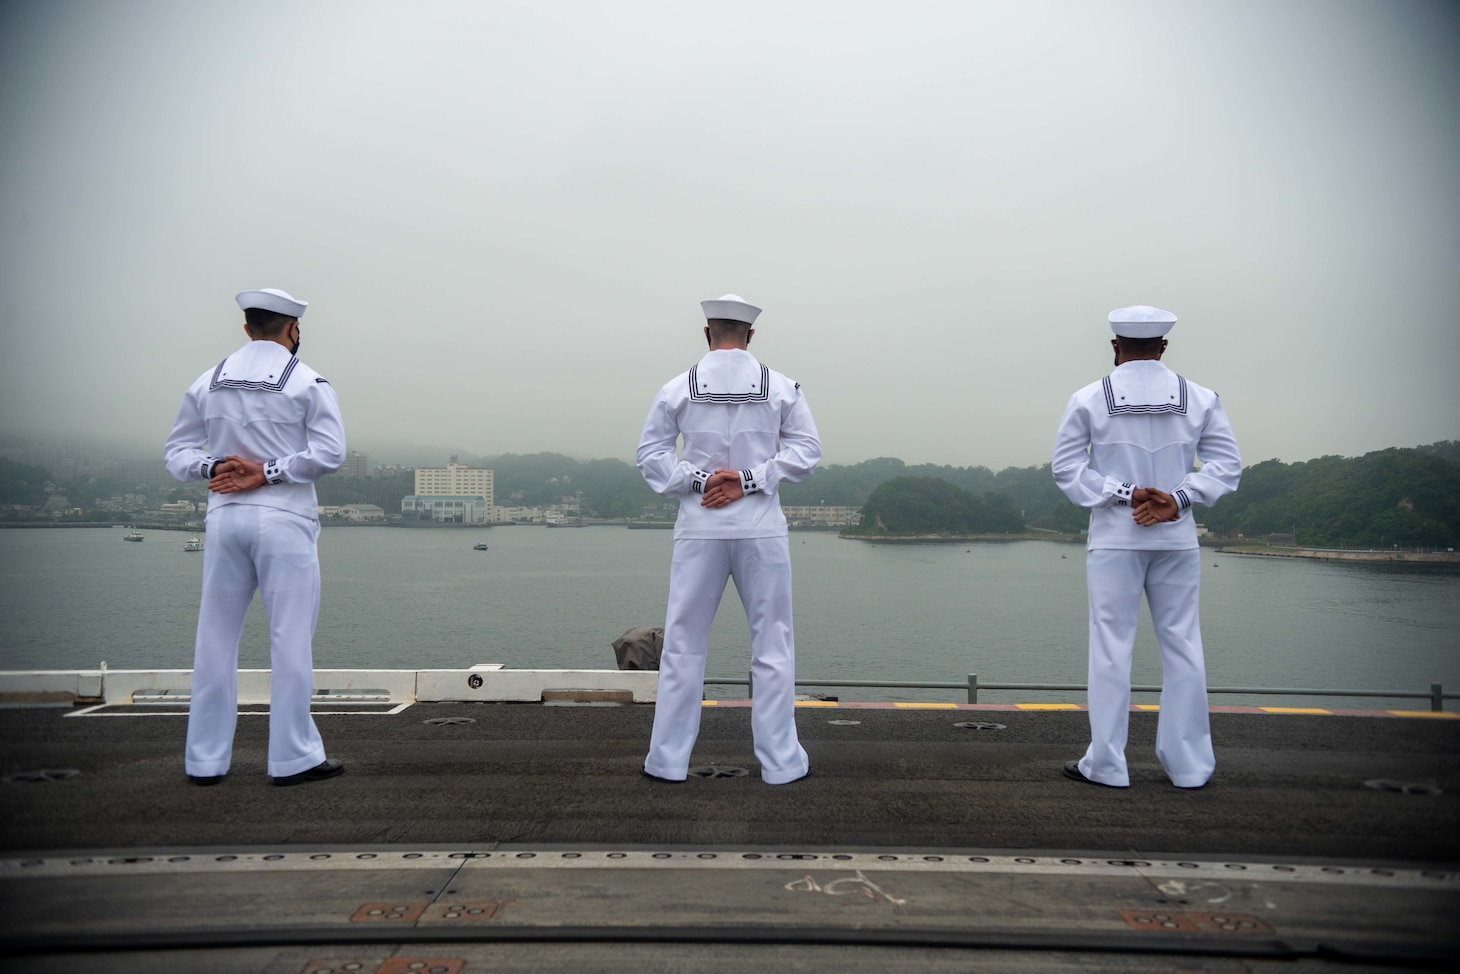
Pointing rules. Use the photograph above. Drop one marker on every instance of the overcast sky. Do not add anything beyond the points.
(504, 215)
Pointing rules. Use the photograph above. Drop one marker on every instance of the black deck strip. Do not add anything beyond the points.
(1286, 785)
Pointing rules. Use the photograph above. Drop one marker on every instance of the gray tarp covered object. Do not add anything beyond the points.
(639, 648)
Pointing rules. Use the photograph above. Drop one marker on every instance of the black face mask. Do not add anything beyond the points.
(294, 349)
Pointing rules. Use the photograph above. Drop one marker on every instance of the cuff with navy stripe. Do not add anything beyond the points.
(697, 483)
(1122, 492)
(208, 464)
(749, 483)
(1183, 501)
(272, 473)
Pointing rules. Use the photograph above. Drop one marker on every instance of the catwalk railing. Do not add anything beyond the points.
(1435, 695)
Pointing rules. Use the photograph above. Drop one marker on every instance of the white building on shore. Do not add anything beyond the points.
(446, 509)
(360, 513)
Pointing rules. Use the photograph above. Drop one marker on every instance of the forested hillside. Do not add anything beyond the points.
(21, 484)
(1405, 497)
(1409, 498)
(1030, 489)
(929, 505)
(609, 488)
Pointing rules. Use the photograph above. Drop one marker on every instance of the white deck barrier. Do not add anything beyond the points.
(493, 682)
(483, 682)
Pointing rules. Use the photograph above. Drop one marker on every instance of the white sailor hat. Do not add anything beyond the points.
(731, 306)
(1141, 321)
(272, 299)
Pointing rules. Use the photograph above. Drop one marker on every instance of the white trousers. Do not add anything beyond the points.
(761, 568)
(1171, 581)
(256, 548)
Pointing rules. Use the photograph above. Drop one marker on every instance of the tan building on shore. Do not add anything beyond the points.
(454, 480)
(456, 493)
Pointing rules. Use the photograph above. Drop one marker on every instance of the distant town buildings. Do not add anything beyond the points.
(354, 513)
(356, 465)
(360, 513)
(517, 515)
(821, 515)
(177, 510)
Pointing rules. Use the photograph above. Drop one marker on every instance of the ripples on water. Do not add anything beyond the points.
(1014, 612)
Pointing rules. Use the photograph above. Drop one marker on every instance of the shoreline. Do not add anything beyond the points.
(959, 538)
(1337, 554)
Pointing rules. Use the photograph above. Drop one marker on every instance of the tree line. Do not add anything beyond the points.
(1040, 503)
(1408, 497)
(1405, 497)
(929, 505)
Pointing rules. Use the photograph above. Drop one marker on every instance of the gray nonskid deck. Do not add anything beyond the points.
(912, 833)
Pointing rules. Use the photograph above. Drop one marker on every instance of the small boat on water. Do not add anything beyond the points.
(132, 535)
(479, 546)
(194, 543)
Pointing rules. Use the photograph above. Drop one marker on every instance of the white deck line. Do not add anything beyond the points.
(182, 711)
(1231, 871)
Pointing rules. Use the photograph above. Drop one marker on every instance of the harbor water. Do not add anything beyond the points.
(546, 599)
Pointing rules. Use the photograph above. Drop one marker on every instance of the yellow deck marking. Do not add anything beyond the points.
(910, 705)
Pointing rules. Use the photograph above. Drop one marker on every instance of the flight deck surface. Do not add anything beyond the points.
(520, 836)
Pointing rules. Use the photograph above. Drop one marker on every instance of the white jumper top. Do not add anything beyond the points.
(733, 414)
(263, 404)
(1144, 426)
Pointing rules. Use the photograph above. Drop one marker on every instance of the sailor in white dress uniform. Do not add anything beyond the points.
(746, 430)
(261, 427)
(1126, 449)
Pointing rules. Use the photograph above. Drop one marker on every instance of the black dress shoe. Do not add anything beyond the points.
(655, 777)
(205, 779)
(1072, 770)
(327, 768)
